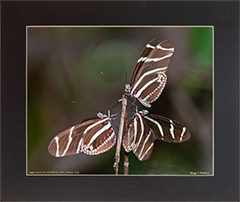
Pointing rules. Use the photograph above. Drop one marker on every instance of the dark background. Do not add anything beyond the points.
(17, 186)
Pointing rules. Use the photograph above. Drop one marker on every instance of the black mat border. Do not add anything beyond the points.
(15, 185)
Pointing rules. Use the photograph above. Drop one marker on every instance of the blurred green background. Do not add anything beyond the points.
(65, 64)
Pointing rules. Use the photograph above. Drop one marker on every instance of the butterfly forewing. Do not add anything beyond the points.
(144, 129)
(93, 136)
(157, 57)
(167, 130)
(147, 49)
(139, 139)
(68, 141)
(149, 72)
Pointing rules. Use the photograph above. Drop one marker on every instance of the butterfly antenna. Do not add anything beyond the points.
(126, 77)
(110, 76)
(75, 102)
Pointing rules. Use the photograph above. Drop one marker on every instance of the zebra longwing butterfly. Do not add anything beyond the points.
(149, 78)
(146, 128)
(92, 136)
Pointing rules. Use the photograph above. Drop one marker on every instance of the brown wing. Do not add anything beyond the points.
(139, 139)
(156, 55)
(145, 52)
(167, 130)
(150, 88)
(99, 138)
(69, 141)
(73, 140)
(149, 74)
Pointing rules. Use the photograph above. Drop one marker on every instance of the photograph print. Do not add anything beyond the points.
(120, 100)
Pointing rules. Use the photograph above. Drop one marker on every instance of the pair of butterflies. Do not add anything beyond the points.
(96, 136)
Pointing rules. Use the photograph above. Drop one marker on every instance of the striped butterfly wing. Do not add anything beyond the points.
(93, 136)
(166, 129)
(99, 137)
(139, 138)
(145, 53)
(69, 141)
(149, 78)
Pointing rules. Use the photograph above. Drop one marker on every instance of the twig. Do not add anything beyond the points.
(120, 133)
(126, 161)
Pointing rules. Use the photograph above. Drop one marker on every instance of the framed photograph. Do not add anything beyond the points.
(154, 85)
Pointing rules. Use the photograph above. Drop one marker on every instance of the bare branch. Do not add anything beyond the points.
(120, 133)
(126, 160)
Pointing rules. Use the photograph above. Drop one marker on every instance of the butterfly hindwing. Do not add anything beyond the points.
(139, 138)
(150, 88)
(99, 137)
